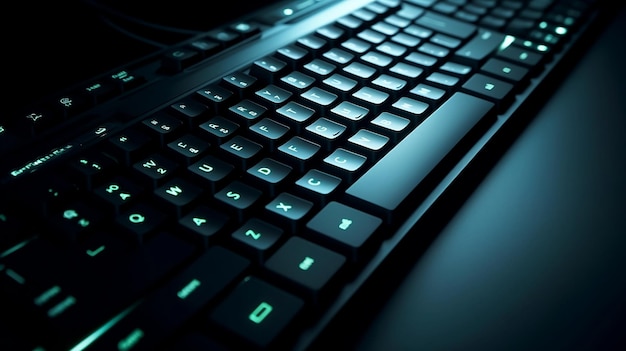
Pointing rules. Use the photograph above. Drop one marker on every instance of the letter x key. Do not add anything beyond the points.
(289, 209)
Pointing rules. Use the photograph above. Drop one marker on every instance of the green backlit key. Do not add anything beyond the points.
(256, 313)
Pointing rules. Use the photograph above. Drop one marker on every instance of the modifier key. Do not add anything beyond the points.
(385, 187)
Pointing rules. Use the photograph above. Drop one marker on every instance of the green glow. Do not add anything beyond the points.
(130, 341)
(543, 25)
(508, 40)
(61, 306)
(47, 295)
(260, 312)
(92, 253)
(103, 329)
(528, 43)
(18, 278)
(14, 248)
(188, 289)
(83, 223)
(560, 30)
(542, 47)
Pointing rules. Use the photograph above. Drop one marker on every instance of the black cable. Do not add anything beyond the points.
(107, 13)
(131, 34)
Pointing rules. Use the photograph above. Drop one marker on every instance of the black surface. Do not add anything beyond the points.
(534, 259)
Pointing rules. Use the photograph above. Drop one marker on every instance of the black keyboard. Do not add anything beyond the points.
(235, 190)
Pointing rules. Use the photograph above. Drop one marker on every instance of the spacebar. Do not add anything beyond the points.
(392, 180)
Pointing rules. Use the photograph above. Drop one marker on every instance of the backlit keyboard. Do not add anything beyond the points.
(236, 195)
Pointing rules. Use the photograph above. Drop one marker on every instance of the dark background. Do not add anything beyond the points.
(50, 45)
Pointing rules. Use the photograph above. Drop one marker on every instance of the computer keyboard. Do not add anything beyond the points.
(235, 190)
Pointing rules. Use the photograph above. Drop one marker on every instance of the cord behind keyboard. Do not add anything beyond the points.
(243, 200)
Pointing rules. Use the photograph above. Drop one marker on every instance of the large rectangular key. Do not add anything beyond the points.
(385, 187)
(446, 25)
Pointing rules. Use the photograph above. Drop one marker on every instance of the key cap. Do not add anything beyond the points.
(475, 51)
(203, 224)
(385, 193)
(289, 210)
(308, 267)
(492, 89)
(258, 238)
(317, 185)
(348, 230)
(257, 314)
(446, 25)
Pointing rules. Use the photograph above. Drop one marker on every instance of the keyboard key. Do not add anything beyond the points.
(218, 129)
(258, 237)
(203, 224)
(344, 163)
(178, 195)
(508, 71)
(215, 97)
(119, 193)
(272, 96)
(318, 185)
(297, 82)
(439, 134)
(391, 125)
(349, 114)
(188, 148)
(176, 60)
(268, 69)
(241, 151)
(239, 82)
(130, 145)
(140, 222)
(318, 99)
(295, 115)
(190, 111)
(368, 143)
(293, 55)
(246, 112)
(269, 175)
(483, 44)
(211, 172)
(446, 25)
(309, 268)
(269, 132)
(155, 169)
(257, 314)
(238, 198)
(289, 210)
(299, 152)
(325, 132)
(346, 229)
(164, 127)
(492, 89)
